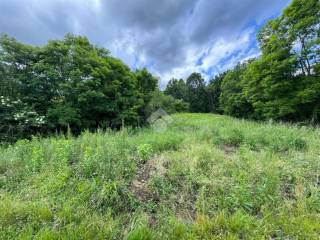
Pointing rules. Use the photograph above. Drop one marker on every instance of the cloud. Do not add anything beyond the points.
(171, 37)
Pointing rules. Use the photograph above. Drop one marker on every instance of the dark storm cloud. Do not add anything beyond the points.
(227, 18)
(169, 36)
(148, 15)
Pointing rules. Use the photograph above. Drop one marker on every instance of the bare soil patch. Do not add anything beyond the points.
(229, 149)
(140, 184)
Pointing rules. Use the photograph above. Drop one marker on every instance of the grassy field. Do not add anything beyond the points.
(204, 177)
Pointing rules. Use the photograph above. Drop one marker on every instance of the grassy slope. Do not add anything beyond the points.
(205, 177)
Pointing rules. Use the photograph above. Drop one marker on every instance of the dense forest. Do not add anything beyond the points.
(73, 84)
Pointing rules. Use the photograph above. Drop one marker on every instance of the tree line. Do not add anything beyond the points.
(282, 84)
(73, 84)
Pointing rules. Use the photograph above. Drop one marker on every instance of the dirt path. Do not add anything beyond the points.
(140, 184)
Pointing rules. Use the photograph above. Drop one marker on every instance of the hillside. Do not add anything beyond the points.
(201, 177)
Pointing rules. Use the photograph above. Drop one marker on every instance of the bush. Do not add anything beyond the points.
(144, 152)
(18, 120)
(167, 103)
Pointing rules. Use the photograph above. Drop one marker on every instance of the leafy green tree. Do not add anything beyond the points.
(18, 120)
(232, 100)
(282, 83)
(308, 97)
(301, 20)
(95, 87)
(73, 84)
(9, 86)
(269, 87)
(177, 89)
(16, 60)
(213, 90)
(147, 85)
(196, 93)
(167, 103)
(268, 82)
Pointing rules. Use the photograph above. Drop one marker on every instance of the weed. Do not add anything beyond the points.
(144, 152)
(205, 177)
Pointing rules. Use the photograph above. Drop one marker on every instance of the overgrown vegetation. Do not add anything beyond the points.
(78, 162)
(203, 177)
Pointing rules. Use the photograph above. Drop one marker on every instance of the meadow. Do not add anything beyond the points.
(203, 176)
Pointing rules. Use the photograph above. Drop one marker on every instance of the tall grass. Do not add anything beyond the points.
(223, 178)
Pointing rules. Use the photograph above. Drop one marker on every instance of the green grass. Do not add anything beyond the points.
(204, 177)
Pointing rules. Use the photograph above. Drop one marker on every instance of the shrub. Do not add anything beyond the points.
(144, 152)
(167, 103)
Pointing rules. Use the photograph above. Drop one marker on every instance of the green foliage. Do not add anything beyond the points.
(234, 137)
(283, 84)
(177, 89)
(213, 93)
(232, 100)
(18, 120)
(301, 21)
(142, 233)
(63, 116)
(72, 84)
(210, 177)
(165, 102)
(196, 92)
(144, 152)
(147, 86)
(270, 89)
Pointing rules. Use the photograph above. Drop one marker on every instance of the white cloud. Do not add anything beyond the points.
(167, 36)
(231, 51)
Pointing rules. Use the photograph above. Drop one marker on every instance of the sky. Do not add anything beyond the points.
(172, 38)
